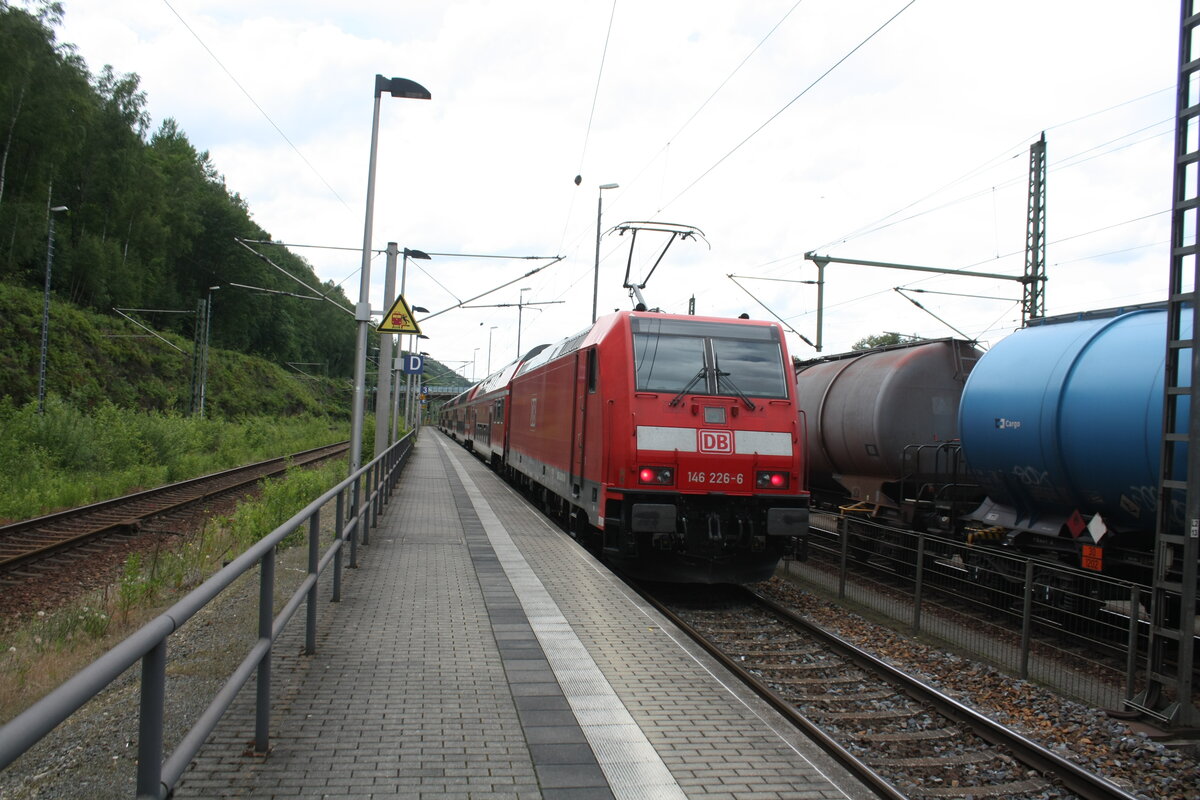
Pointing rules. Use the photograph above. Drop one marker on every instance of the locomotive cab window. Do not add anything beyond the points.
(710, 358)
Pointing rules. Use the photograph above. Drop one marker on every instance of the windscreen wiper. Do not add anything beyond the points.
(702, 374)
(736, 390)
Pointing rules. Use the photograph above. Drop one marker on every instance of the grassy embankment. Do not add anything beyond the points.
(71, 458)
(114, 423)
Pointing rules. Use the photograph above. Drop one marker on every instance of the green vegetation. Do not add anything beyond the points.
(95, 358)
(64, 458)
(883, 340)
(48, 645)
(168, 573)
(151, 223)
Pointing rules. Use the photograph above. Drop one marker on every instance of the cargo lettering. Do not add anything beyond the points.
(1003, 424)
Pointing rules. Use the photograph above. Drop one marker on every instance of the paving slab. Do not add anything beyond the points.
(479, 652)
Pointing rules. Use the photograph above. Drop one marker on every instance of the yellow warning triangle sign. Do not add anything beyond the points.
(398, 319)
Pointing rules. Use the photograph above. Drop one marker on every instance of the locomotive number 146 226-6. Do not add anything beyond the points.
(726, 478)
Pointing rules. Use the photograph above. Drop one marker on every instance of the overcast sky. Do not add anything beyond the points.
(878, 129)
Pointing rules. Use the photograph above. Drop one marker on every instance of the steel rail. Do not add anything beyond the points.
(859, 769)
(1087, 785)
(128, 510)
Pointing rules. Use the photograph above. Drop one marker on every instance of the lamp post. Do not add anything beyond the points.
(204, 353)
(420, 411)
(489, 368)
(412, 341)
(397, 87)
(408, 386)
(383, 385)
(46, 312)
(596, 275)
(520, 308)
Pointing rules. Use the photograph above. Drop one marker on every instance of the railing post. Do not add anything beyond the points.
(266, 608)
(844, 527)
(314, 563)
(388, 467)
(340, 533)
(377, 483)
(394, 470)
(1027, 619)
(1131, 652)
(919, 583)
(365, 522)
(150, 724)
(356, 525)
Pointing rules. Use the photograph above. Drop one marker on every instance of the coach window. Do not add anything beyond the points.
(591, 371)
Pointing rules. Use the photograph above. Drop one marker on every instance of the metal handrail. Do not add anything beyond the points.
(156, 777)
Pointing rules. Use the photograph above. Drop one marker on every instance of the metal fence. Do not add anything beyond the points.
(1076, 632)
(358, 502)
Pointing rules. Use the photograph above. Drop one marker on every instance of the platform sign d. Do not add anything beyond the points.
(413, 364)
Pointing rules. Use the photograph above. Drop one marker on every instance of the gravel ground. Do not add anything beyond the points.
(93, 753)
(1088, 736)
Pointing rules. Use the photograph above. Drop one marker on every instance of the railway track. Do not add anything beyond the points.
(32, 540)
(904, 738)
(1095, 633)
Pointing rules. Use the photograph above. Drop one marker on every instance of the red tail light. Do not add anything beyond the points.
(771, 480)
(656, 476)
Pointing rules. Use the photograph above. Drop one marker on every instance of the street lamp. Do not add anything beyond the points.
(596, 276)
(408, 386)
(46, 312)
(383, 390)
(420, 254)
(423, 256)
(489, 368)
(520, 307)
(397, 87)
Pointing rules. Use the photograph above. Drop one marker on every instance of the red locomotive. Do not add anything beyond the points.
(673, 440)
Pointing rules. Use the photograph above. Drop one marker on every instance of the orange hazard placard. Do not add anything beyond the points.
(398, 319)
(1092, 558)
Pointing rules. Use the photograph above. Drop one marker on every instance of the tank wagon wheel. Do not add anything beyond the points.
(800, 548)
(862, 542)
(1070, 601)
(995, 579)
(899, 549)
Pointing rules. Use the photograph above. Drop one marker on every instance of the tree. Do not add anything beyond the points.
(883, 340)
(151, 223)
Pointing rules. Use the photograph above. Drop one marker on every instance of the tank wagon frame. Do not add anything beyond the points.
(1047, 445)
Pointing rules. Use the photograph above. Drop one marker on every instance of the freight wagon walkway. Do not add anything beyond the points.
(480, 653)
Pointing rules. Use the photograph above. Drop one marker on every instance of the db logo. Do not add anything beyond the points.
(716, 441)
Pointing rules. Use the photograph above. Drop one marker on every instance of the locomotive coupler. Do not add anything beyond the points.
(714, 527)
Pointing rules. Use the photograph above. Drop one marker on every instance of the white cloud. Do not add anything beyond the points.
(487, 165)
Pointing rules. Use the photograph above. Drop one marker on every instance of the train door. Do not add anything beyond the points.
(485, 437)
(583, 427)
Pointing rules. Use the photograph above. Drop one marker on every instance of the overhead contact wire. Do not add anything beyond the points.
(250, 97)
(789, 104)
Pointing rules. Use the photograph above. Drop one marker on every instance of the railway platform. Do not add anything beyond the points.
(478, 652)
